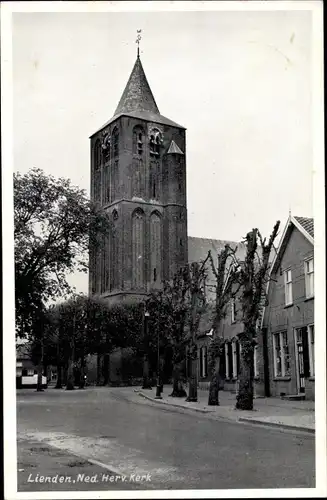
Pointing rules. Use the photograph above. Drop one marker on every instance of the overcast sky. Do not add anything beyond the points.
(240, 82)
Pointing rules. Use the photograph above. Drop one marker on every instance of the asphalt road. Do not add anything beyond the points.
(150, 446)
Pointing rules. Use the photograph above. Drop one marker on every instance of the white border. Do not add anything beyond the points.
(7, 8)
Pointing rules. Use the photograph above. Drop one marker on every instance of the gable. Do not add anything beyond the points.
(294, 252)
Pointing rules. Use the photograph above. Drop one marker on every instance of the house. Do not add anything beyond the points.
(26, 371)
(231, 327)
(288, 323)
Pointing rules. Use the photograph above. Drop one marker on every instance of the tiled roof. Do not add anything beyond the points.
(198, 249)
(137, 95)
(137, 100)
(143, 115)
(307, 224)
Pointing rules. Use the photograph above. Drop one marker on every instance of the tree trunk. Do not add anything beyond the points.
(106, 369)
(98, 382)
(244, 398)
(193, 382)
(59, 377)
(70, 375)
(39, 377)
(65, 374)
(213, 399)
(178, 387)
(82, 373)
(40, 368)
(146, 380)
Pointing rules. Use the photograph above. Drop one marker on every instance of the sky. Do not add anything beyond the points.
(240, 82)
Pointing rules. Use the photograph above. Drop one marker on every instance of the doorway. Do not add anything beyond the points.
(301, 357)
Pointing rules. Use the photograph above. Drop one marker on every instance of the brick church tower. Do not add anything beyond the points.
(138, 175)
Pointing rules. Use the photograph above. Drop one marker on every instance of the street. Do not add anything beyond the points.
(151, 446)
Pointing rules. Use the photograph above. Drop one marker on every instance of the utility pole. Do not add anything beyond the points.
(146, 382)
(159, 385)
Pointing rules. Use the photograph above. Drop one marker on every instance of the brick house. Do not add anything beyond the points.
(288, 324)
(230, 328)
(26, 371)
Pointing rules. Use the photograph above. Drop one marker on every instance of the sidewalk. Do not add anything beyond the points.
(274, 412)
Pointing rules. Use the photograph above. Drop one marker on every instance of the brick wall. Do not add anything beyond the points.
(169, 203)
(279, 317)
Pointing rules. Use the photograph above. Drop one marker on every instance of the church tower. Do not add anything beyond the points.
(138, 175)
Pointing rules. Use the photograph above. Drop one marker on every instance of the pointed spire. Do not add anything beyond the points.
(174, 149)
(137, 95)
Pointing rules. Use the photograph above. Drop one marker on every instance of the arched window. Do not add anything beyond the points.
(155, 142)
(115, 181)
(106, 145)
(137, 178)
(97, 171)
(156, 247)
(138, 140)
(138, 248)
(114, 252)
(155, 180)
(97, 154)
(115, 143)
(98, 267)
(107, 263)
(106, 183)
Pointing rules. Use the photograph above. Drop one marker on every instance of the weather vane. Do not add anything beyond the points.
(138, 39)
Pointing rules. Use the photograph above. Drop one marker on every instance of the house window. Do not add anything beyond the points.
(288, 287)
(281, 354)
(309, 278)
(204, 362)
(233, 311)
(234, 353)
(230, 360)
(226, 360)
(311, 345)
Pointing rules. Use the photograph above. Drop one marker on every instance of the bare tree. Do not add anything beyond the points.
(226, 287)
(195, 276)
(253, 277)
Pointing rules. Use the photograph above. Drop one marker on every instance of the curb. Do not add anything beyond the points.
(224, 417)
(165, 403)
(278, 425)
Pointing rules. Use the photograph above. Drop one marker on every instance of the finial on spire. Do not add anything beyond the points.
(289, 211)
(138, 39)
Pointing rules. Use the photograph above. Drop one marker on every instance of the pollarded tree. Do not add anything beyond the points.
(225, 288)
(54, 224)
(253, 277)
(177, 309)
(168, 308)
(195, 275)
